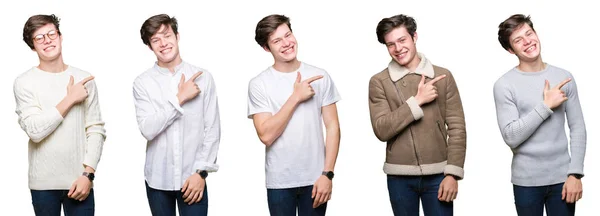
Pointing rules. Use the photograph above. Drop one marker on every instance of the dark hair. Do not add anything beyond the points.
(508, 26)
(36, 22)
(153, 24)
(386, 25)
(267, 25)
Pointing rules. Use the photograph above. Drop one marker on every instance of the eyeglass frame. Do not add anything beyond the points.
(43, 39)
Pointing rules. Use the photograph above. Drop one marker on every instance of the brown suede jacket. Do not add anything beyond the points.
(425, 140)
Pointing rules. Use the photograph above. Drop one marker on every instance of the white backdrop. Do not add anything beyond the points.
(103, 38)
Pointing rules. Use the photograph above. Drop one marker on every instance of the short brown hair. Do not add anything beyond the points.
(267, 25)
(386, 25)
(508, 26)
(153, 24)
(36, 22)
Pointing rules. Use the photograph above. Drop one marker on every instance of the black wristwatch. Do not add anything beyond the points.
(202, 173)
(90, 176)
(329, 174)
(577, 176)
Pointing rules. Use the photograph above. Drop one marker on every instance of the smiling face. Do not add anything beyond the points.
(47, 42)
(401, 47)
(525, 43)
(282, 44)
(165, 45)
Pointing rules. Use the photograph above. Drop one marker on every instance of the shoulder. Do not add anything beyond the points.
(504, 81)
(24, 78)
(559, 71)
(380, 76)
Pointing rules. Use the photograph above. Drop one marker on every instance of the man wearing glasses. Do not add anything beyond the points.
(58, 108)
(178, 114)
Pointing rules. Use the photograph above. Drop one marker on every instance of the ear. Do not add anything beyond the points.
(510, 50)
(177, 36)
(415, 37)
(266, 48)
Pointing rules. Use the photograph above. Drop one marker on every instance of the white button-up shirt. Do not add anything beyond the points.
(181, 139)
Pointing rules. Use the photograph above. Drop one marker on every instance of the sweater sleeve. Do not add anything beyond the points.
(94, 127)
(516, 130)
(577, 129)
(37, 121)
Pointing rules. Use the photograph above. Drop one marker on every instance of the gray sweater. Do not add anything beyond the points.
(535, 133)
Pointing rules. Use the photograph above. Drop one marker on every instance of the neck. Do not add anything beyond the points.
(172, 64)
(287, 66)
(532, 66)
(54, 66)
(412, 65)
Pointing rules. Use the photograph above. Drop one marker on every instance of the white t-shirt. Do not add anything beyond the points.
(297, 157)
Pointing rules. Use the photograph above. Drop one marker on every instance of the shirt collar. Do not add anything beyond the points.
(165, 71)
(398, 71)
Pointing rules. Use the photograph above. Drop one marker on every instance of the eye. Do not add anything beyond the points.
(276, 41)
(518, 41)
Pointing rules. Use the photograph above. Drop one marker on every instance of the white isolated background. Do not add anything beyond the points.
(103, 38)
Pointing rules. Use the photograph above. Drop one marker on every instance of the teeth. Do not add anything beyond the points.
(529, 49)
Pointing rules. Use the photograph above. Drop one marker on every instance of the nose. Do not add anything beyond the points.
(397, 47)
(161, 43)
(286, 42)
(47, 39)
(526, 41)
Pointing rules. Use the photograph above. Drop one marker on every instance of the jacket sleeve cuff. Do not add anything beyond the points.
(415, 109)
(457, 171)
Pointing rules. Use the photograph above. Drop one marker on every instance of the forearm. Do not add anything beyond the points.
(65, 105)
(578, 133)
(40, 125)
(270, 129)
(154, 123)
(332, 145)
(516, 131)
(387, 125)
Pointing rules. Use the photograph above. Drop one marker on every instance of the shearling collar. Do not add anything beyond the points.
(397, 71)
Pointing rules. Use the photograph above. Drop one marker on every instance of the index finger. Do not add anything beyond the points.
(87, 79)
(196, 76)
(312, 79)
(561, 84)
(433, 81)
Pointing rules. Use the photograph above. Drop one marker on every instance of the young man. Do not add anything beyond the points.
(288, 103)
(178, 113)
(416, 108)
(58, 108)
(531, 102)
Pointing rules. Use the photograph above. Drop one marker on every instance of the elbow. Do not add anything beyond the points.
(266, 139)
(380, 133)
(510, 141)
(36, 138)
(147, 134)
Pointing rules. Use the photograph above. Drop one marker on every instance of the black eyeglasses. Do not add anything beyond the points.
(52, 34)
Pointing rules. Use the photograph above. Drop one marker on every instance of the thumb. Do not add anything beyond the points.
(440, 191)
(564, 192)
(422, 80)
(547, 86)
(71, 81)
(299, 77)
(182, 79)
(73, 185)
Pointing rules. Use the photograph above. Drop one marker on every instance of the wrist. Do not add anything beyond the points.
(328, 174)
(419, 101)
(202, 173)
(576, 176)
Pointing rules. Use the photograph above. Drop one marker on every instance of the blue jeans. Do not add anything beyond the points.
(283, 202)
(48, 203)
(162, 203)
(530, 201)
(406, 192)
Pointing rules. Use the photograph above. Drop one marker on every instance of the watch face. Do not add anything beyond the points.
(329, 175)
